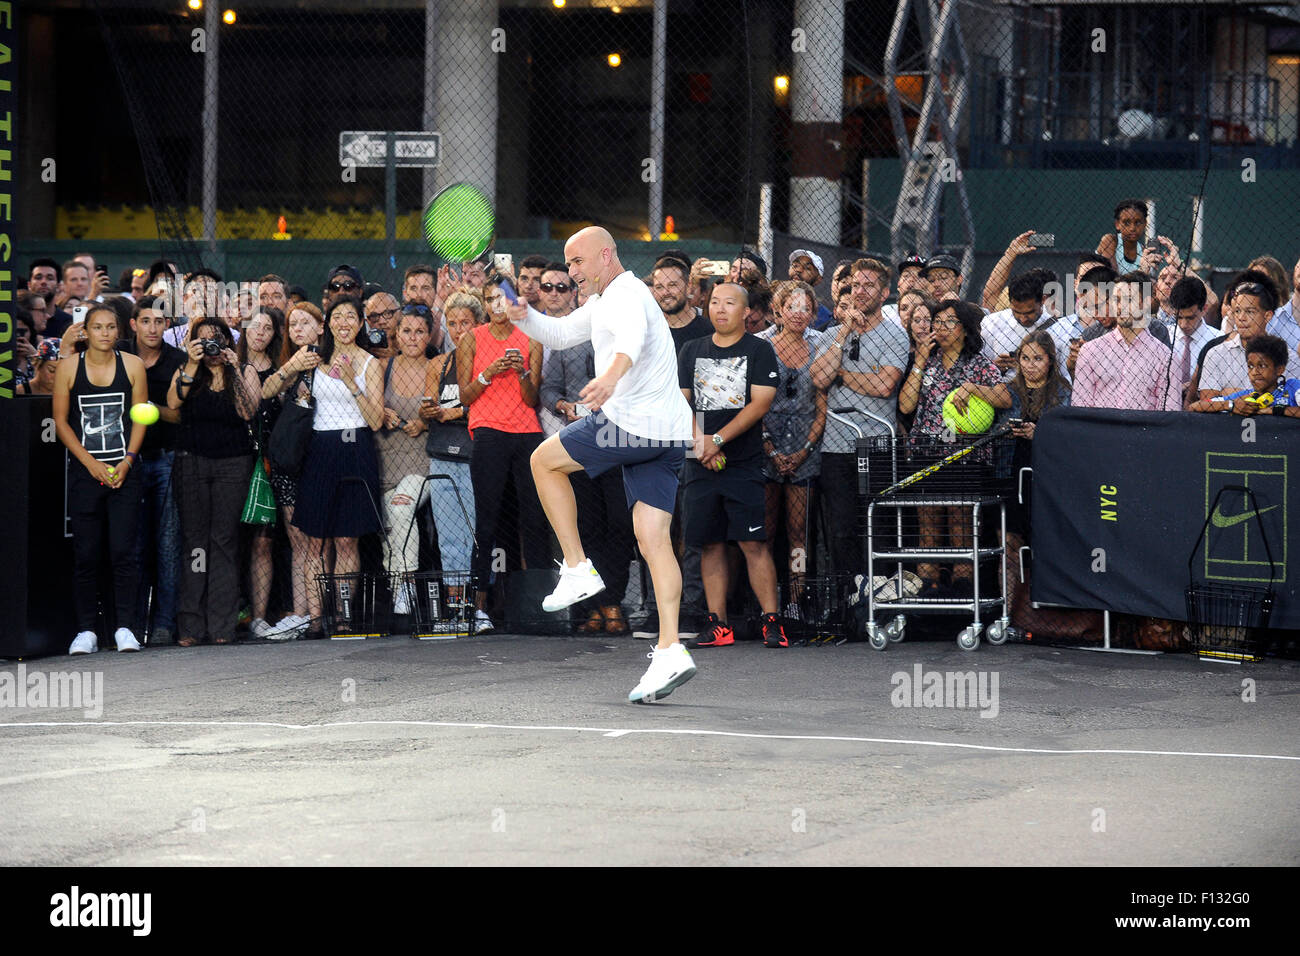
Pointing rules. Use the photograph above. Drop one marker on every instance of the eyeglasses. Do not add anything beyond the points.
(383, 316)
(559, 287)
(346, 285)
(945, 323)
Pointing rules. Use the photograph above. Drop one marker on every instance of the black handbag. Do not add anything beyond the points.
(287, 448)
(448, 441)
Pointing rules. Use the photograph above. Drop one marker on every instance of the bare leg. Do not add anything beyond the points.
(713, 569)
(552, 466)
(652, 536)
(313, 565)
(796, 529)
(261, 574)
(762, 573)
(298, 542)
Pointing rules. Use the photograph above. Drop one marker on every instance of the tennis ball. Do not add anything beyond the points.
(459, 223)
(978, 417)
(146, 413)
(720, 463)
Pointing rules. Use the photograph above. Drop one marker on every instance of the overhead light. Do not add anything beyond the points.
(615, 9)
(614, 60)
(228, 17)
(557, 4)
(782, 84)
(195, 4)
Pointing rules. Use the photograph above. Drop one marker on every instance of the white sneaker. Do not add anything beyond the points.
(670, 668)
(576, 584)
(259, 628)
(482, 623)
(85, 643)
(125, 640)
(286, 629)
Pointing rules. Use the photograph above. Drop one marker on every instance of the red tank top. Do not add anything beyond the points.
(501, 405)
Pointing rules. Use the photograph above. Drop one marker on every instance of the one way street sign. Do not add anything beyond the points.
(369, 148)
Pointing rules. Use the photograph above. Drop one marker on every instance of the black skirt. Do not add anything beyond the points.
(331, 502)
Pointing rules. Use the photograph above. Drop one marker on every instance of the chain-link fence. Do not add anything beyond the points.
(1061, 165)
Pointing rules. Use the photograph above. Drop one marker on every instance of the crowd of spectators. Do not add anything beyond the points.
(427, 401)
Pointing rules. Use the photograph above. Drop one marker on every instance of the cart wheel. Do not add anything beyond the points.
(896, 628)
(878, 638)
(968, 639)
(998, 633)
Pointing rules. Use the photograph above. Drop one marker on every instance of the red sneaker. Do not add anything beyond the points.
(715, 634)
(773, 632)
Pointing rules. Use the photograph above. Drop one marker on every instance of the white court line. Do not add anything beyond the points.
(627, 731)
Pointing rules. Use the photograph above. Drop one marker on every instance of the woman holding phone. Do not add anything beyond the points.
(449, 447)
(500, 387)
(299, 357)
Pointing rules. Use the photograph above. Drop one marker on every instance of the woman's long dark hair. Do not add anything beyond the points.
(203, 377)
(971, 317)
(273, 347)
(327, 338)
(1034, 402)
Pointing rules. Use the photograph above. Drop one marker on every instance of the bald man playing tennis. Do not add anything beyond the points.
(639, 419)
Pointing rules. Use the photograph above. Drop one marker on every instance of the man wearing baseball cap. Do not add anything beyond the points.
(806, 266)
(342, 280)
(909, 278)
(943, 272)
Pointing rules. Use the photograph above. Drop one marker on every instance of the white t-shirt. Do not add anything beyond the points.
(1002, 334)
(625, 318)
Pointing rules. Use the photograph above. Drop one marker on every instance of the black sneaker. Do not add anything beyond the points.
(715, 634)
(773, 632)
(648, 630)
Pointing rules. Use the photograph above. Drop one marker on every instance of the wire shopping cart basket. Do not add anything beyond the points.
(355, 606)
(1229, 621)
(441, 602)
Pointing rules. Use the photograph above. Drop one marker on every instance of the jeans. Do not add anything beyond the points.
(159, 534)
(455, 527)
(403, 538)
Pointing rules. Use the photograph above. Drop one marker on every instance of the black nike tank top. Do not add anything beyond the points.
(100, 414)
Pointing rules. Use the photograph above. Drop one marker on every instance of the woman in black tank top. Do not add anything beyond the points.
(93, 395)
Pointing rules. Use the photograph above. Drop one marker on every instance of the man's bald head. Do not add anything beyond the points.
(592, 259)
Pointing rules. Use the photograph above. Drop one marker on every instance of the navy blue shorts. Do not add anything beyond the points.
(651, 469)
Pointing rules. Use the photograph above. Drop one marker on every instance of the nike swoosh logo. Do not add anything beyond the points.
(756, 528)
(92, 430)
(1220, 520)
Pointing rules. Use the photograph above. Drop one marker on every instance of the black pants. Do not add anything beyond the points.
(605, 525)
(498, 454)
(839, 495)
(98, 514)
(211, 492)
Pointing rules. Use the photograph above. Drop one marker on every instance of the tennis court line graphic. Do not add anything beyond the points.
(1234, 550)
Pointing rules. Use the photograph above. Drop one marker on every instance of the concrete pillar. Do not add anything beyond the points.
(816, 106)
(465, 93)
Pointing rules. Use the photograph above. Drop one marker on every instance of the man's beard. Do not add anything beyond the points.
(672, 308)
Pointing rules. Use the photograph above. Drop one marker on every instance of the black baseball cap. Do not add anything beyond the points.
(351, 272)
(911, 262)
(941, 261)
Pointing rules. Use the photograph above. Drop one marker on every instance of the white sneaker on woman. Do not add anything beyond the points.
(84, 643)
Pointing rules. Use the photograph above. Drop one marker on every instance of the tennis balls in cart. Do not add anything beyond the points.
(146, 413)
(978, 417)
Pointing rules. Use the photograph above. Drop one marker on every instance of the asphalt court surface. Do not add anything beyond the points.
(523, 750)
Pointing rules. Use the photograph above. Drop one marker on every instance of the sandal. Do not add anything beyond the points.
(595, 623)
(186, 641)
(614, 623)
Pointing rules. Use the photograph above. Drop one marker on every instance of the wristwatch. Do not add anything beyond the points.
(482, 380)
(718, 441)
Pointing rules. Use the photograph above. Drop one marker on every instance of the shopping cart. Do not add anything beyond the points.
(1229, 621)
(901, 487)
(440, 603)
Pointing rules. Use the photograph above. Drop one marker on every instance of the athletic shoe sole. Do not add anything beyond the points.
(664, 691)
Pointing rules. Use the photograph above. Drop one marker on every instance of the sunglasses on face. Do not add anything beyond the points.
(559, 287)
(342, 285)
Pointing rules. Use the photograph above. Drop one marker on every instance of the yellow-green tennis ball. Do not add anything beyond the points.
(977, 420)
(146, 413)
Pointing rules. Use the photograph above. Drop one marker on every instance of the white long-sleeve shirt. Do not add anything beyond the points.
(626, 319)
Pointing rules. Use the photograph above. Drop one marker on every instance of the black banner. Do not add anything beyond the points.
(1120, 498)
(8, 73)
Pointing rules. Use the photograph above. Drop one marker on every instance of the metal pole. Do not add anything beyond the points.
(866, 209)
(765, 222)
(430, 59)
(211, 26)
(390, 207)
(658, 81)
